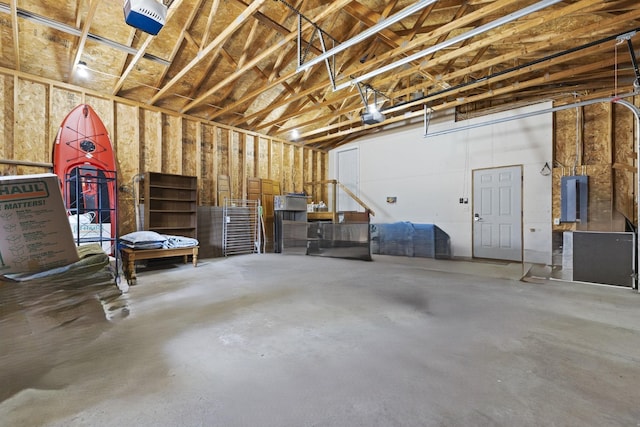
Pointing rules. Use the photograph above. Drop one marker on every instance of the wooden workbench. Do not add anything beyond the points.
(130, 256)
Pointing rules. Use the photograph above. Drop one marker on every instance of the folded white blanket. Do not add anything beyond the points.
(178, 242)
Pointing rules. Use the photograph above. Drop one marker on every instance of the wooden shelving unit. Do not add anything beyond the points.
(171, 204)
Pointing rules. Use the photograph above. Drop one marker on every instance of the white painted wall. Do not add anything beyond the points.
(429, 175)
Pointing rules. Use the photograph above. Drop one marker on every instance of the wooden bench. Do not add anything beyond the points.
(130, 256)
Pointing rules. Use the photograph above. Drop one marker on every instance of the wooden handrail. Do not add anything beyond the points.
(346, 190)
(326, 181)
(357, 199)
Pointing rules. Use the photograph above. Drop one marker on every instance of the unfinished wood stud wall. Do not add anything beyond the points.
(599, 141)
(146, 139)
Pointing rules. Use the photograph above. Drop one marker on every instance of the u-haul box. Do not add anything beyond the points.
(34, 229)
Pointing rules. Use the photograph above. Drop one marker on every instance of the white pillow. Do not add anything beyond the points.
(143, 240)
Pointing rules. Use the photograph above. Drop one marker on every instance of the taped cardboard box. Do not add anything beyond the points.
(34, 229)
(87, 233)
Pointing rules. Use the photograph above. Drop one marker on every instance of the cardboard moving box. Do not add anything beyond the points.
(34, 229)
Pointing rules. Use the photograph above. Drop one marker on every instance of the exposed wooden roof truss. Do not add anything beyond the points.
(236, 61)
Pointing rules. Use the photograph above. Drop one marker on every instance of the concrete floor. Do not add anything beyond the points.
(284, 340)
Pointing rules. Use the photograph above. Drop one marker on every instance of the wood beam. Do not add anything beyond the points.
(212, 13)
(202, 98)
(215, 44)
(602, 26)
(445, 30)
(141, 51)
(475, 98)
(184, 35)
(88, 20)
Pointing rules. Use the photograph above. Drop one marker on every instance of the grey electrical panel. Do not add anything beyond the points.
(574, 193)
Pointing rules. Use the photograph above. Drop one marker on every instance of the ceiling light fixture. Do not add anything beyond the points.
(83, 69)
(464, 36)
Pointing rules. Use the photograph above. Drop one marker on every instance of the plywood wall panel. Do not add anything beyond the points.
(320, 175)
(208, 173)
(600, 198)
(276, 161)
(147, 139)
(623, 135)
(236, 163)
(287, 168)
(46, 46)
(597, 134)
(7, 53)
(565, 137)
(624, 184)
(264, 145)
(127, 129)
(150, 141)
(62, 102)
(298, 168)
(31, 126)
(172, 144)
(106, 110)
(222, 152)
(624, 158)
(191, 152)
(308, 170)
(606, 137)
(555, 203)
(251, 157)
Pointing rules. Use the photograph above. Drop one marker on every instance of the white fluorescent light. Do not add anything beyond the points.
(367, 33)
(82, 69)
(435, 48)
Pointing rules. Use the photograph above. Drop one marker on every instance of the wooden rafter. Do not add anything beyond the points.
(424, 13)
(213, 59)
(93, 6)
(285, 54)
(301, 92)
(142, 50)
(212, 13)
(201, 99)
(483, 94)
(425, 39)
(487, 41)
(249, 43)
(370, 18)
(215, 44)
(297, 105)
(601, 27)
(545, 79)
(235, 61)
(184, 35)
(446, 29)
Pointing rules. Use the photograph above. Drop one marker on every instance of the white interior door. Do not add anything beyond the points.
(497, 207)
(348, 175)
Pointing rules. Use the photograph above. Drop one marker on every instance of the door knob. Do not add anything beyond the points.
(476, 217)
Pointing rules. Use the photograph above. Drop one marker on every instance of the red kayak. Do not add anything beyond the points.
(84, 161)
